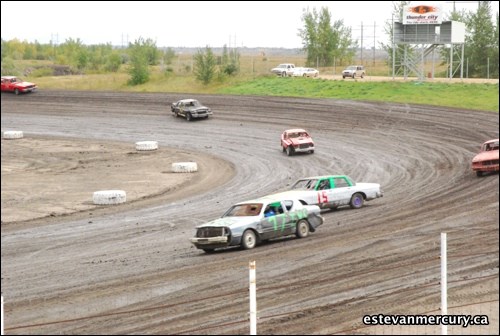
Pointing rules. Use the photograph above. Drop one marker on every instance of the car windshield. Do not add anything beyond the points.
(297, 135)
(305, 184)
(194, 103)
(489, 146)
(240, 210)
(351, 68)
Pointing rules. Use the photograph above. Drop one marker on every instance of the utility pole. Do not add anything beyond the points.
(361, 42)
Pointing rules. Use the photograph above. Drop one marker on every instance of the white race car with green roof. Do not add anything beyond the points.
(332, 191)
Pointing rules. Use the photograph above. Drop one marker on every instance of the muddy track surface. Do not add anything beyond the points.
(134, 271)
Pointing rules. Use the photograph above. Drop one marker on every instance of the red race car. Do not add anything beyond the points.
(296, 140)
(17, 85)
(487, 158)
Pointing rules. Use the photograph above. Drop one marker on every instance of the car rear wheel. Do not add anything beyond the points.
(249, 240)
(208, 250)
(357, 201)
(302, 229)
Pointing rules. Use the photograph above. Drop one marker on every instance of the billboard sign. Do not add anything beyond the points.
(422, 14)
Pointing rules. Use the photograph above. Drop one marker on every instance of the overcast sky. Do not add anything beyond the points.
(192, 23)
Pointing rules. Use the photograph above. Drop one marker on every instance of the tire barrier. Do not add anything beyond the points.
(184, 167)
(105, 197)
(13, 134)
(146, 145)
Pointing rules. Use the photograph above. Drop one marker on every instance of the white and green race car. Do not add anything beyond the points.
(245, 224)
(332, 191)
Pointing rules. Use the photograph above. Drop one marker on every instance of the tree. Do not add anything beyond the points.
(139, 61)
(323, 41)
(113, 62)
(481, 44)
(230, 61)
(204, 65)
(169, 56)
(150, 50)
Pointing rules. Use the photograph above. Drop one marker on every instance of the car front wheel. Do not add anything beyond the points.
(249, 240)
(302, 229)
(357, 201)
(189, 117)
(16, 91)
(289, 151)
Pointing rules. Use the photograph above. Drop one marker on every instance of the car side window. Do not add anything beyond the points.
(288, 204)
(278, 209)
(324, 184)
(340, 183)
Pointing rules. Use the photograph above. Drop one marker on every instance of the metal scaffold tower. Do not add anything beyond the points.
(420, 34)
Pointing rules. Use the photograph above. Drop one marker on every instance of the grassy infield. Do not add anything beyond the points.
(254, 79)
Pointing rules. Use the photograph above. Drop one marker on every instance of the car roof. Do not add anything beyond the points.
(8, 77)
(321, 177)
(187, 100)
(267, 199)
(490, 141)
(295, 130)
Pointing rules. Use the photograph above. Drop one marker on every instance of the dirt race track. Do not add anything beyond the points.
(130, 268)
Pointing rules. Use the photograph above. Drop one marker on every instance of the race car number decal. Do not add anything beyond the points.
(322, 197)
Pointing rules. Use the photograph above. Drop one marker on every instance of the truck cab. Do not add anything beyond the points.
(284, 69)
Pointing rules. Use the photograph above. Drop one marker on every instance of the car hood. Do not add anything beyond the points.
(295, 194)
(231, 221)
(302, 140)
(25, 84)
(486, 156)
(198, 108)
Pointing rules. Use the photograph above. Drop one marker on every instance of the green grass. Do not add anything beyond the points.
(467, 96)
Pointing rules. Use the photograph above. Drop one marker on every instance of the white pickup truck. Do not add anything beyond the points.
(284, 70)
